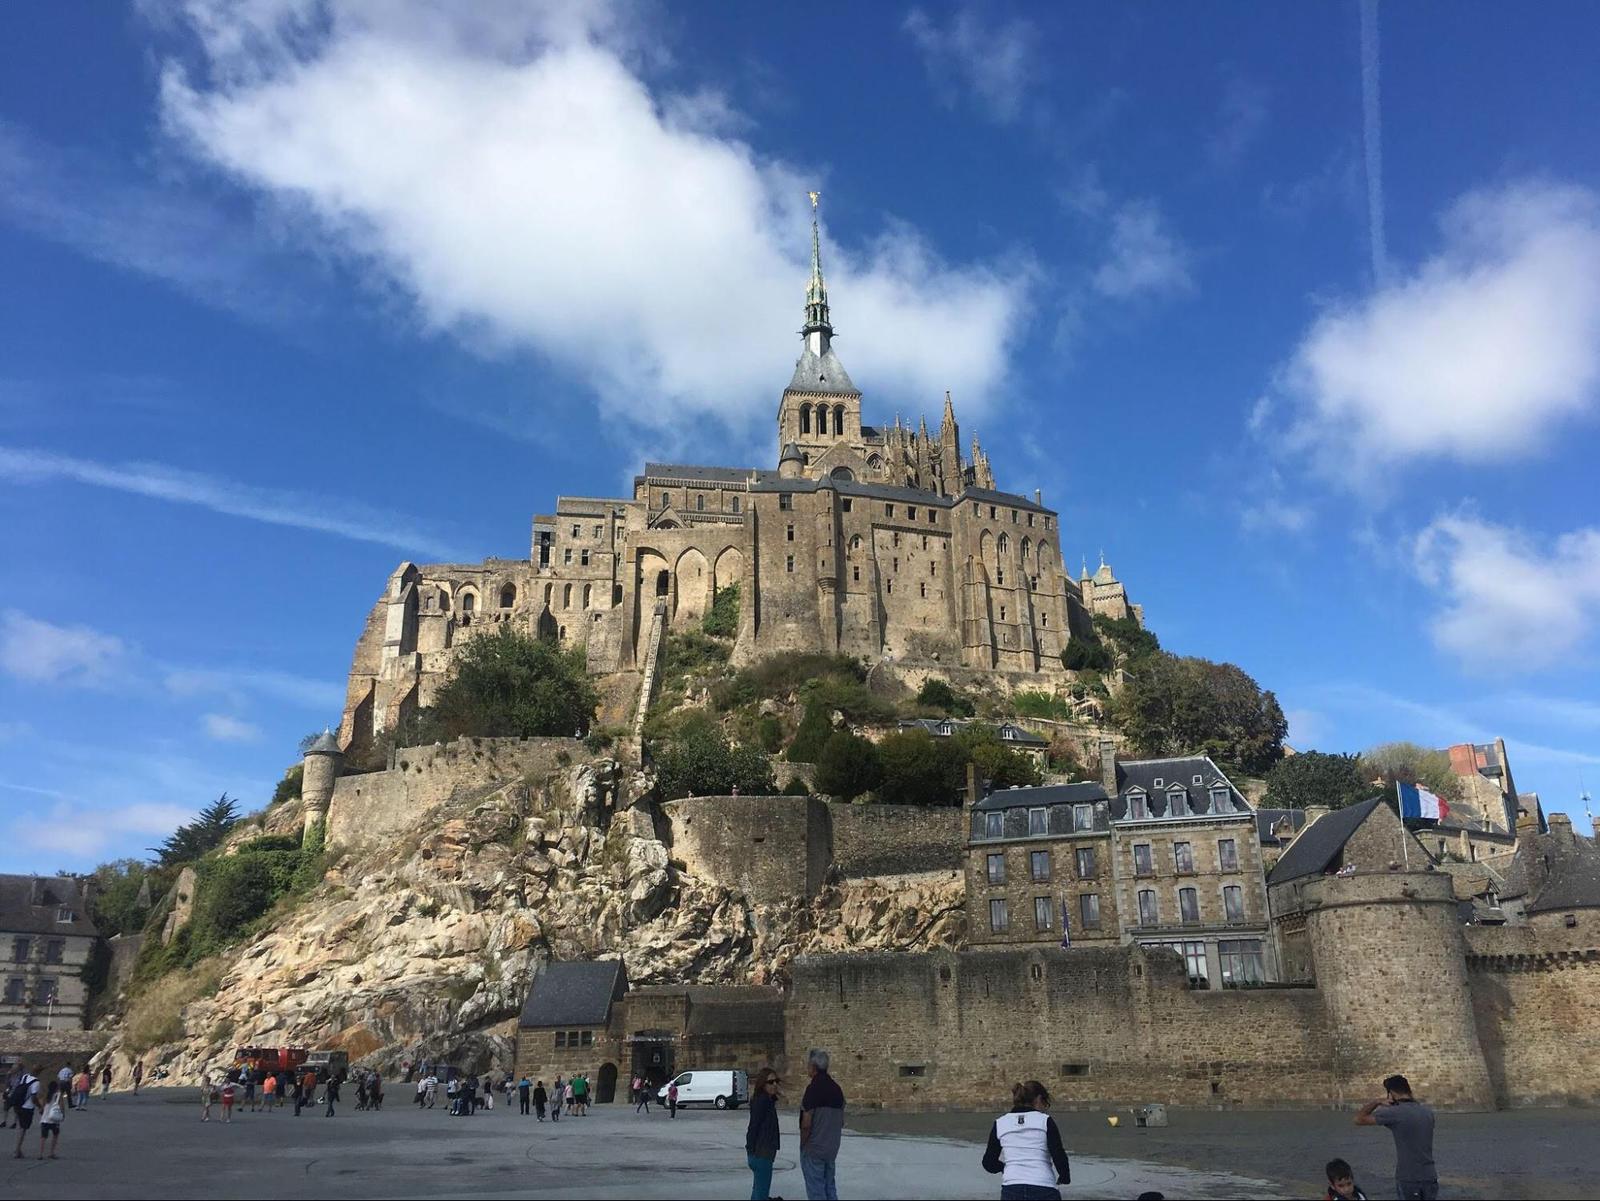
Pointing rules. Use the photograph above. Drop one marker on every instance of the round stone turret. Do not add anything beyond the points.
(791, 464)
(321, 767)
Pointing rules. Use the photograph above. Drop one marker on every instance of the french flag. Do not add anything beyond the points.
(1418, 802)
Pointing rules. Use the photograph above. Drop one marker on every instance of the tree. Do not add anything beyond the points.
(1087, 654)
(1128, 636)
(812, 735)
(723, 619)
(696, 760)
(193, 839)
(289, 787)
(919, 769)
(1408, 763)
(1315, 778)
(997, 763)
(1174, 706)
(937, 694)
(122, 895)
(512, 686)
(848, 766)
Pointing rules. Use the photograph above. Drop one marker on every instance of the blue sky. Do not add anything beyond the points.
(1302, 329)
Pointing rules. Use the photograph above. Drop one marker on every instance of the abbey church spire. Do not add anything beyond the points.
(818, 329)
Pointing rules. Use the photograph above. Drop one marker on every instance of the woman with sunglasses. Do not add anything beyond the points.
(761, 1137)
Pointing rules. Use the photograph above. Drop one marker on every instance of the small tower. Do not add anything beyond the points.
(323, 763)
(791, 464)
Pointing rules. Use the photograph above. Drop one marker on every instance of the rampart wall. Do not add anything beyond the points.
(772, 848)
(889, 840)
(372, 806)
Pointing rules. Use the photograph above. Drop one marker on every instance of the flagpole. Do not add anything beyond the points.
(1405, 847)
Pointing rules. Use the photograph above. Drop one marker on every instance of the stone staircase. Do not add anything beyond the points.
(652, 659)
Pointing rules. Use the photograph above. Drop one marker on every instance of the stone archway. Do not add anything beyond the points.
(606, 1093)
(694, 589)
(729, 570)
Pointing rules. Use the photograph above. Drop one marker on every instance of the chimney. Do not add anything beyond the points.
(1038, 497)
(1108, 766)
(1561, 826)
(972, 784)
(1313, 812)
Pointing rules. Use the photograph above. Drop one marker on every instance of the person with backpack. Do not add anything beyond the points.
(1025, 1145)
(50, 1122)
(23, 1100)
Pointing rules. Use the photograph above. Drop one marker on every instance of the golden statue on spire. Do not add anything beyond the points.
(815, 196)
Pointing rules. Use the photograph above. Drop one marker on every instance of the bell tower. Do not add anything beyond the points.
(821, 407)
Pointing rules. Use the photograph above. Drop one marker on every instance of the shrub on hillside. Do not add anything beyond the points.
(288, 788)
(937, 694)
(510, 685)
(696, 760)
(811, 737)
(155, 1015)
(1041, 704)
(1408, 763)
(848, 766)
(997, 763)
(780, 676)
(1314, 778)
(1130, 638)
(723, 619)
(1087, 654)
(115, 903)
(918, 769)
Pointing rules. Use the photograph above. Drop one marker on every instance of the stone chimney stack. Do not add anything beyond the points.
(1561, 827)
(973, 785)
(1108, 766)
(1315, 812)
(323, 763)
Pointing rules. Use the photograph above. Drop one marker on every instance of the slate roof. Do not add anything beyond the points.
(821, 373)
(1266, 819)
(326, 744)
(1010, 499)
(33, 905)
(1182, 772)
(1082, 793)
(937, 727)
(574, 994)
(1558, 870)
(685, 471)
(1320, 843)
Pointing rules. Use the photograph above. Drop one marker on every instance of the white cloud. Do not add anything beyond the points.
(326, 515)
(1508, 602)
(71, 827)
(222, 728)
(1479, 355)
(41, 652)
(326, 695)
(995, 62)
(1143, 257)
(525, 187)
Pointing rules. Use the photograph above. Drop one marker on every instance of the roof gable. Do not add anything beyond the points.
(1320, 842)
(574, 994)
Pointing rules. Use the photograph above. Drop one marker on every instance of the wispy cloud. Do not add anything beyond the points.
(220, 727)
(1372, 141)
(326, 695)
(39, 651)
(1143, 256)
(326, 515)
(994, 61)
(1241, 117)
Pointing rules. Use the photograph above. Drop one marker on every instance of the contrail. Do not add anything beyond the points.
(1372, 137)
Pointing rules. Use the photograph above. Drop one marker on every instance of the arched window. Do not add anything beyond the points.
(700, 502)
(548, 590)
(566, 596)
(586, 588)
(444, 600)
(1027, 551)
(855, 543)
(805, 419)
(663, 583)
(842, 473)
(508, 596)
(467, 602)
(1005, 545)
(736, 504)
(838, 419)
(874, 462)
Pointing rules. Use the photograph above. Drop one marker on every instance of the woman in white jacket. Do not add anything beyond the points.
(1025, 1144)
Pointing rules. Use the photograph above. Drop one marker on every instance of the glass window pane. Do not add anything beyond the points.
(1089, 907)
(1041, 865)
(997, 869)
(997, 916)
(1183, 855)
(1228, 855)
(1041, 912)
(1086, 863)
(1189, 904)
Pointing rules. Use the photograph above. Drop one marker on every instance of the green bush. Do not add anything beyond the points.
(115, 904)
(777, 677)
(811, 737)
(919, 769)
(696, 760)
(1129, 637)
(848, 766)
(510, 685)
(1084, 654)
(1174, 706)
(1041, 704)
(997, 763)
(796, 787)
(288, 788)
(723, 619)
(1314, 778)
(937, 694)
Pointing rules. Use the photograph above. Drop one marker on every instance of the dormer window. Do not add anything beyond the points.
(1160, 782)
(1138, 806)
(64, 915)
(1177, 803)
(1219, 799)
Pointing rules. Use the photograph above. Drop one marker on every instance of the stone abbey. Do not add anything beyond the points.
(873, 541)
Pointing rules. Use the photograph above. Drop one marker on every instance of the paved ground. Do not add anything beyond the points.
(155, 1146)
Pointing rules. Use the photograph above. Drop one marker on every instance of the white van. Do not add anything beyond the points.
(726, 1088)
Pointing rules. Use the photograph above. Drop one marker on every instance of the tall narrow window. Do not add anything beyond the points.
(1228, 855)
(1183, 858)
(1189, 904)
(1148, 913)
(1042, 908)
(1038, 821)
(1086, 865)
(788, 564)
(1177, 803)
(1233, 902)
(788, 533)
(1138, 806)
(1083, 817)
(998, 921)
(1039, 865)
(586, 594)
(805, 419)
(1089, 910)
(1143, 865)
(700, 502)
(583, 557)
(995, 865)
(736, 504)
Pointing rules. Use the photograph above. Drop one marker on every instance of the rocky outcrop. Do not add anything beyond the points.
(427, 943)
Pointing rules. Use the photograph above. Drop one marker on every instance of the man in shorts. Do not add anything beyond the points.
(24, 1098)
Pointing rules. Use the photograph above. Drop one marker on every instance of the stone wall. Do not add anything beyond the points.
(44, 1051)
(368, 808)
(772, 848)
(1104, 1025)
(1533, 994)
(886, 840)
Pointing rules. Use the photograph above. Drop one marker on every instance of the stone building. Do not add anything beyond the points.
(1015, 737)
(583, 1017)
(879, 541)
(49, 942)
(1159, 852)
